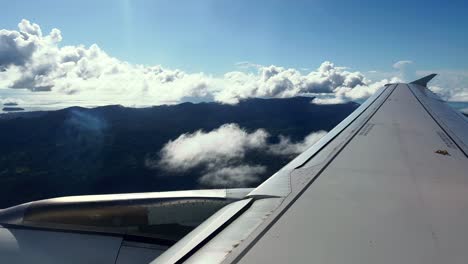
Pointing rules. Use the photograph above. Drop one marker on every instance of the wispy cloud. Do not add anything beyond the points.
(401, 64)
(229, 177)
(286, 147)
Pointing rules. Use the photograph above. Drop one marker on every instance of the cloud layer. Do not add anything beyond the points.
(274, 81)
(88, 76)
(32, 60)
(220, 154)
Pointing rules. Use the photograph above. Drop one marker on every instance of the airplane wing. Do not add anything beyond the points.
(389, 184)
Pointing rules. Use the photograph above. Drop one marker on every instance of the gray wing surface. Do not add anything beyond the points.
(388, 185)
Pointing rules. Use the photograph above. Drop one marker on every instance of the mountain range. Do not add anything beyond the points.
(78, 151)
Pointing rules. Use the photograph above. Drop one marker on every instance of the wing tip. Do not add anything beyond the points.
(424, 80)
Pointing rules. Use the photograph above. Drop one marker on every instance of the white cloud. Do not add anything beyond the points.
(406, 70)
(274, 81)
(30, 28)
(37, 62)
(220, 146)
(231, 177)
(401, 64)
(286, 147)
(458, 94)
(450, 85)
(9, 100)
(30, 59)
(220, 154)
(346, 94)
(247, 65)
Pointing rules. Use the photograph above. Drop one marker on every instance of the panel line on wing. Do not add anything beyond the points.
(437, 122)
(276, 184)
(283, 210)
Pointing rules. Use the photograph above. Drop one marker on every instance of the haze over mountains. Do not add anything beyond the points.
(113, 149)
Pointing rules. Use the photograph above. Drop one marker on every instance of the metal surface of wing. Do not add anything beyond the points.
(388, 185)
(116, 228)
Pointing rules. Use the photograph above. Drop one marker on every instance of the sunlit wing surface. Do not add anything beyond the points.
(389, 184)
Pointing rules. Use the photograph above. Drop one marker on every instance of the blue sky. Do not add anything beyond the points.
(211, 36)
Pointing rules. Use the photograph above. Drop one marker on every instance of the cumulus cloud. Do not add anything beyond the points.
(459, 94)
(346, 94)
(274, 81)
(226, 143)
(450, 85)
(16, 47)
(34, 60)
(220, 154)
(31, 60)
(406, 70)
